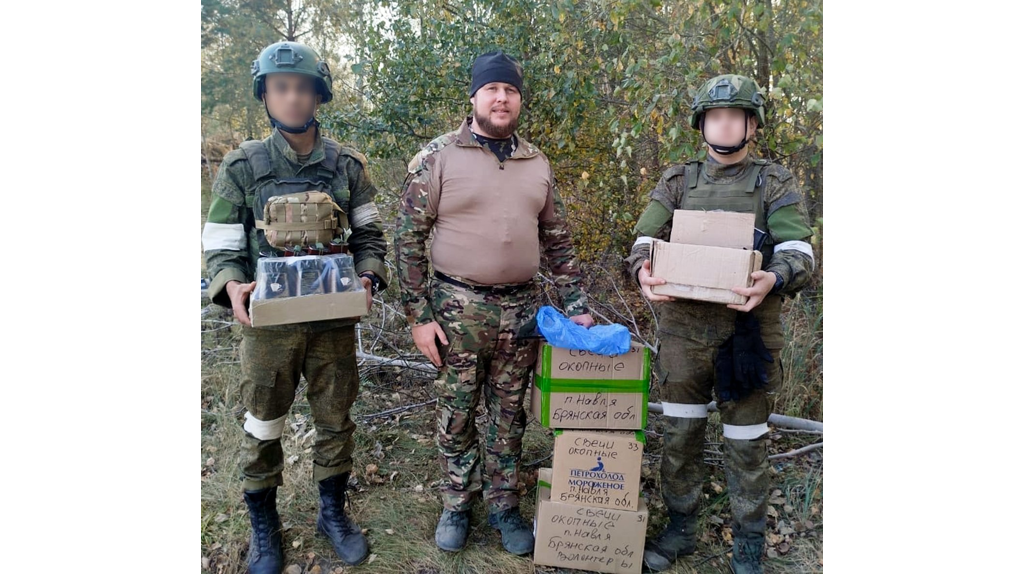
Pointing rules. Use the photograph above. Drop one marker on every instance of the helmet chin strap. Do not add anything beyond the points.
(725, 150)
(300, 130)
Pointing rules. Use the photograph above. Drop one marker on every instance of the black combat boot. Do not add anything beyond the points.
(344, 534)
(746, 554)
(682, 475)
(516, 533)
(746, 470)
(678, 539)
(265, 554)
(452, 530)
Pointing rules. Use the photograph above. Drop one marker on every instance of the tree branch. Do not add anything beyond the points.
(798, 452)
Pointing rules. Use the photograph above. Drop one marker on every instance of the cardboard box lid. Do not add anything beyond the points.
(713, 228)
(702, 265)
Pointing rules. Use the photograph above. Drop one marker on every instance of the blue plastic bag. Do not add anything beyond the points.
(601, 339)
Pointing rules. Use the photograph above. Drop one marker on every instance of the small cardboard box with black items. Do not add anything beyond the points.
(708, 254)
(584, 390)
(308, 288)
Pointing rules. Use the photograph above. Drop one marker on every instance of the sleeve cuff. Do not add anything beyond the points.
(636, 270)
(218, 293)
(378, 268)
(781, 280)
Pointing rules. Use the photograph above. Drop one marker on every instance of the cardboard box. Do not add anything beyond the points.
(709, 254)
(598, 468)
(306, 288)
(585, 538)
(702, 272)
(713, 228)
(583, 390)
(350, 304)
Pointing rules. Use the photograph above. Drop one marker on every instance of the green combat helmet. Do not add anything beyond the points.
(295, 58)
(727, 91)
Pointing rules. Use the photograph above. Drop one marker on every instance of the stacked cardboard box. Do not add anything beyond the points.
(708, 253)
(590, 514)
(583, 390)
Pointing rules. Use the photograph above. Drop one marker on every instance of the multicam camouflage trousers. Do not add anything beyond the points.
(272, 359)
(686, 368)
(483, 357)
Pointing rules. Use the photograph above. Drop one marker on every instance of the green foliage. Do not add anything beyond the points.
(608, 84)
(608, 87)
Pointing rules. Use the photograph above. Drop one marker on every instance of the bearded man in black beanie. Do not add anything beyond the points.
(498, 213)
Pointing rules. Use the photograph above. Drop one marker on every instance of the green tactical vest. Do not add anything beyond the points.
(742, 196)
(702, 320)
(267, 185)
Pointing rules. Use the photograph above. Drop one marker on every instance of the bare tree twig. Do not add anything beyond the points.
(397, 410)
(799, 451)
(539, 460)
(388, 361)
(615, 286)
(713, 556)
(217, 322)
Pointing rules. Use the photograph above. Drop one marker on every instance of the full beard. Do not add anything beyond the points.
(494, 130)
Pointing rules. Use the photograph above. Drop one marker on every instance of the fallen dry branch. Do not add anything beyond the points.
(397, 410)
(798, 451)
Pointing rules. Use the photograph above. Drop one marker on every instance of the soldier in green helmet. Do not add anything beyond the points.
(731, 350)
(292, 81)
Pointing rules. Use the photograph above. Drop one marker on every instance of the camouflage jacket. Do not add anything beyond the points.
(420, 206)
(230, 237)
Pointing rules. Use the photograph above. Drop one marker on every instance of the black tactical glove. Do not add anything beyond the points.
(725, 386)
(750, 356)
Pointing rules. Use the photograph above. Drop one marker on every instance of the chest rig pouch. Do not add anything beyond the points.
(294, 211)
(744, 195)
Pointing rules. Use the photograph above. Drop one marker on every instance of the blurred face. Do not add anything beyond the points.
(725, 126)
(291, 98)
(496, 109)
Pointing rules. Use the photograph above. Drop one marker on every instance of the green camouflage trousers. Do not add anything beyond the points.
(272, 359)
(483, 357)
(686, 369)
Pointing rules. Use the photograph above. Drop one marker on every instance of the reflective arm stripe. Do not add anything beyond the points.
(684, 411)
(744, 432)
(643, 241)
(364, 215)
(229, 236)
(801, 246)
(264, 430)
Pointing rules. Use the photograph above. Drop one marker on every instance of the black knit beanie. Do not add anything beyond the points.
(496, 67)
